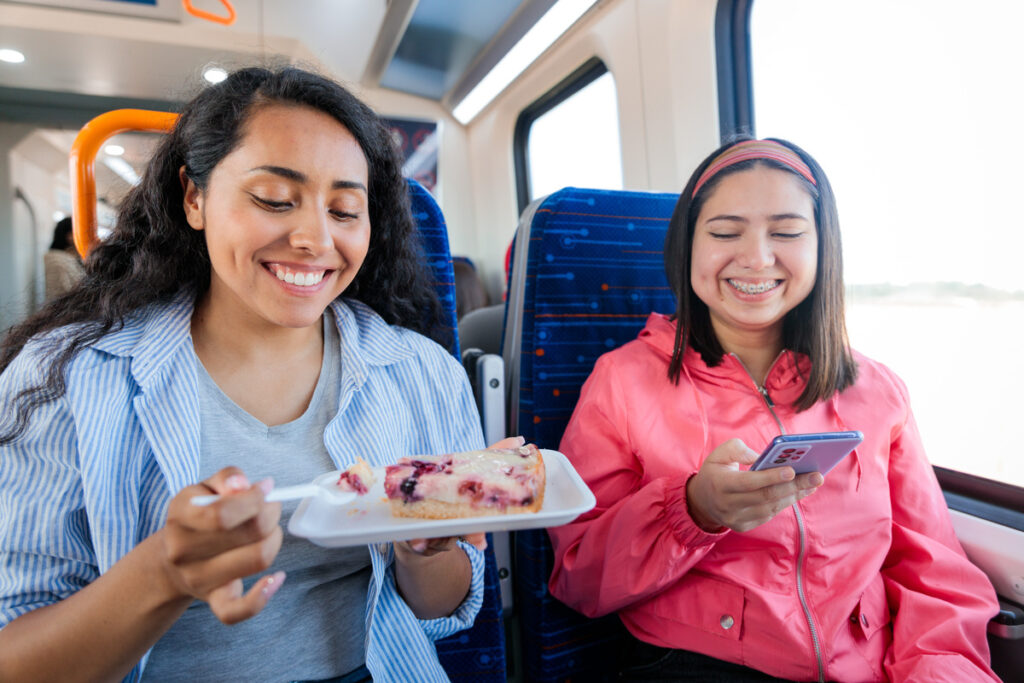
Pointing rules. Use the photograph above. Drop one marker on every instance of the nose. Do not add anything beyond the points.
(755, 251)
(311, 231)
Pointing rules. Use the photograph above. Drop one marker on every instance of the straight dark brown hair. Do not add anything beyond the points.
(815, 327)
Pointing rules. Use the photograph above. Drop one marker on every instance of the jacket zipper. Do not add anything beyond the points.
(803, 598)
(770, 404)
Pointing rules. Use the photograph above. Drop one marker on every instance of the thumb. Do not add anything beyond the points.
(733, 452)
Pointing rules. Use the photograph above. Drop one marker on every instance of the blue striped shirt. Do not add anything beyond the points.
(95, 470)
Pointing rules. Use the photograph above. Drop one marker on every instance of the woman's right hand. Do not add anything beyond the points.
(722, 496)
(207, 550)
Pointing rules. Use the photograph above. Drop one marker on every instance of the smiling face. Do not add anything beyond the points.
(754, 255)
(286, 218)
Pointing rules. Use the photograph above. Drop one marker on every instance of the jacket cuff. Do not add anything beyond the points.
(685, 529)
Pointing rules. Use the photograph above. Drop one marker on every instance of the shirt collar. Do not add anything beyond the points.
(156, 332)
(366, 339)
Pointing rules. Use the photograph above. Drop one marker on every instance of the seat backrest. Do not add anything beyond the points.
(478, 653)
(481, 329)
(587, 270)
(433, 233)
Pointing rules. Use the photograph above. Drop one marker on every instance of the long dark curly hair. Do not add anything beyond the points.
(153, 255)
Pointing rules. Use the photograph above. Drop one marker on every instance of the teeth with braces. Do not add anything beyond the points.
(758, 288)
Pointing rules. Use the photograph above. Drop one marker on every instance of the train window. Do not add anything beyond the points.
(570, 136)
(927, 177)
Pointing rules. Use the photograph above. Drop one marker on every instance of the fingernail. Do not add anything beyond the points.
(521, 440)
(237, 482)
(273, 584)
(266, 485)
(481, 545)
(418, 546)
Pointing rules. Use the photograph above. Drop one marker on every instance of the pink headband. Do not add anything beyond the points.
(754, 149)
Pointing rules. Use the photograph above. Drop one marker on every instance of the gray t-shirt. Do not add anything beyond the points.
(313, 627)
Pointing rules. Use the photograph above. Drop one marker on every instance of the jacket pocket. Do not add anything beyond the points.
(872, 611)
(700, 601)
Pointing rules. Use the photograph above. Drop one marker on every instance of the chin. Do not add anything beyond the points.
(297, 319)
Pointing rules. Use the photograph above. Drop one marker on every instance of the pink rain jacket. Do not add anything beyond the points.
(889, 593)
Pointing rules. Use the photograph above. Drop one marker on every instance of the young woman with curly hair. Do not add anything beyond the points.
(262, 304)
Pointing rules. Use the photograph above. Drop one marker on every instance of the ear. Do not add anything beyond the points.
(193, 202)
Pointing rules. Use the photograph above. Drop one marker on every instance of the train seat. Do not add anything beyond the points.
(587, 269)
(478, 653)
(433, 233)
(481, 329)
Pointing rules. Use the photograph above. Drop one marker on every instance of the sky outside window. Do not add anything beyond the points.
(912, 108)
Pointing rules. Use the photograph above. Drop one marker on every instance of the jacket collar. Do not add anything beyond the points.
(785, 381)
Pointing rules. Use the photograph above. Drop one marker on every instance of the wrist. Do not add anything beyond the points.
(165, 590)
(696, 512)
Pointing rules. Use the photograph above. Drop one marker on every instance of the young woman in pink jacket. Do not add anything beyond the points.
(721, 573)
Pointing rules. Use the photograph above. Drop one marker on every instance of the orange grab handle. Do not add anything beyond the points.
(83, 160)
(227, 21)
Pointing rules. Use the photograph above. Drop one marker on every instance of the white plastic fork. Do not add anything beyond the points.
(329, 492)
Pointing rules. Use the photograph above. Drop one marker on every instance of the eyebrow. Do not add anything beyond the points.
(773, 217)
(292, 174)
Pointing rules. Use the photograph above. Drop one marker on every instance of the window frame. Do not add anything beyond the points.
(733, 61)
(994, 501)
(581, 77)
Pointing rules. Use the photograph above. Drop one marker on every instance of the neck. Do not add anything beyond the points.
(268, 370)
(226, 334)
(757, 351)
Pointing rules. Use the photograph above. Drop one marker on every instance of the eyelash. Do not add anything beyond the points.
(281, 206)
(271, 204)
(781, 235)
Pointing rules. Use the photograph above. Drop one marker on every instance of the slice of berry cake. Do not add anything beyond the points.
(358, 478)
(491, 482)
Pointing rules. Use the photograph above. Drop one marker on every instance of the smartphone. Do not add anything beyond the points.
(808, 452)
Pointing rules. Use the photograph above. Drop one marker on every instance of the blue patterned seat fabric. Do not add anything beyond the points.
(478, 653)
(434, 239)
(594, 271)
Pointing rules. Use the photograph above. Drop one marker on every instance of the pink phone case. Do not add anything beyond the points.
(808, 452)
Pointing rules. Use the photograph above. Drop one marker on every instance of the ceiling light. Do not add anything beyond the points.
(11, 56)
(123, 169)
(113, 150)
(550, 28)
(215, 74)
